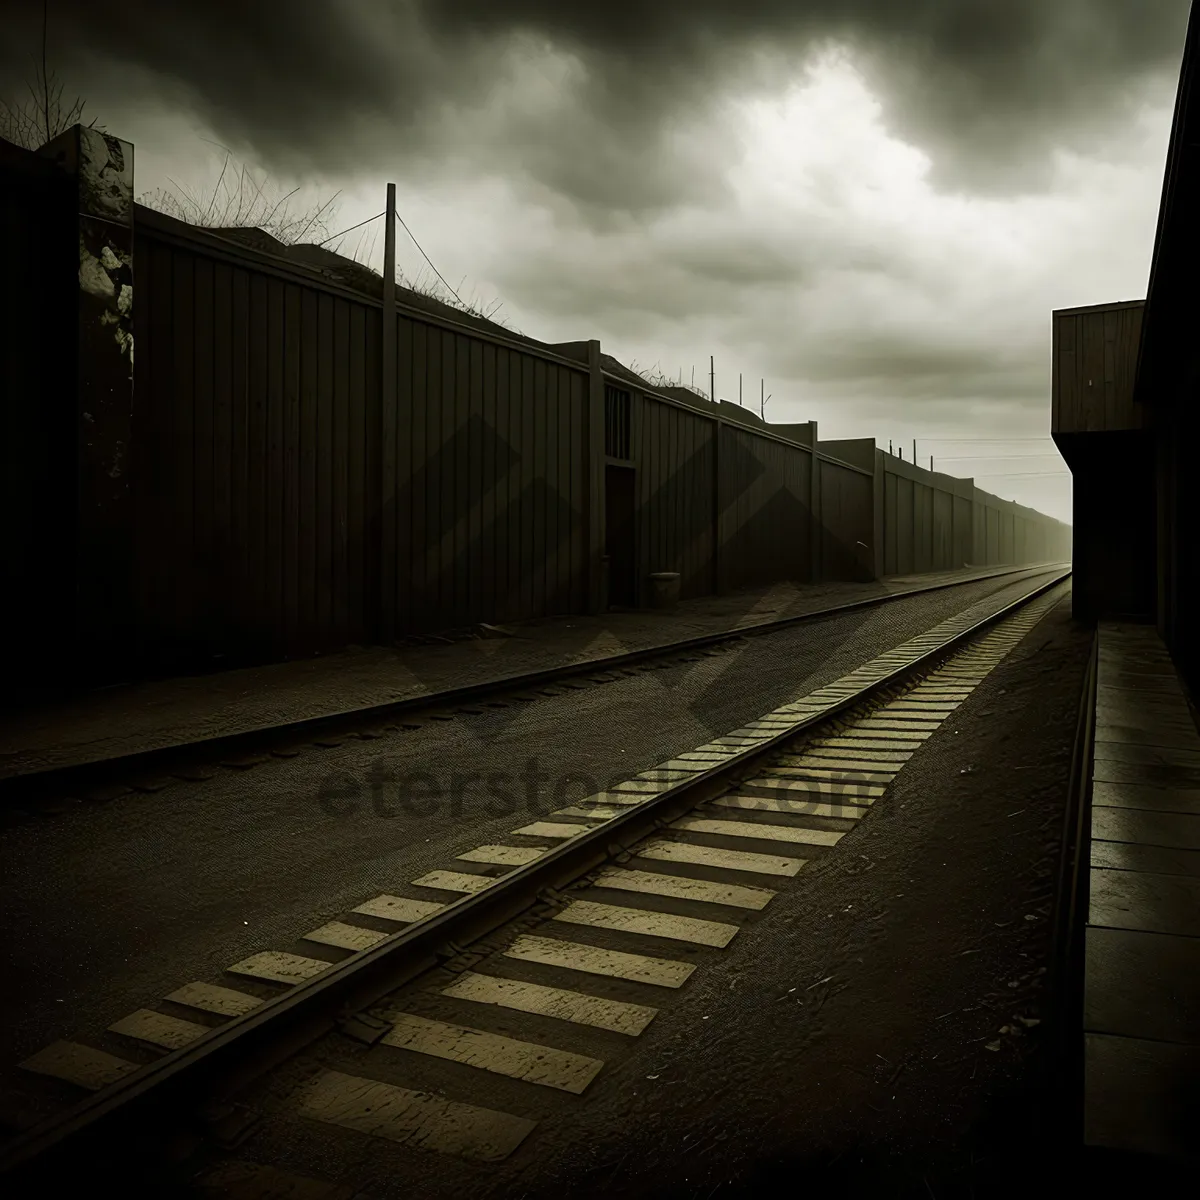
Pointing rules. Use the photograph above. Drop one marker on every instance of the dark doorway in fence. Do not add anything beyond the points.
(619, 537)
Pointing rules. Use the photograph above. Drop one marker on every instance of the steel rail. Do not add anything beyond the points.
(63, 780)
(138, 1114)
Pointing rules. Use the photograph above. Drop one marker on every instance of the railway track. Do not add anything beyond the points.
(664, 870)
(153, 770)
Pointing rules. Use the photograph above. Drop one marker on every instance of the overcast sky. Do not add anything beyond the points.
(873, 205)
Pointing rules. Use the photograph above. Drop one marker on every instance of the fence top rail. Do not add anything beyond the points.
(645, 388)
(168, 229)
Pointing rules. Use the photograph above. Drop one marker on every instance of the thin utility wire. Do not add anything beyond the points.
(995, 457)
(427, 259)
(352, 228)
(1013, 474)
(961, 440)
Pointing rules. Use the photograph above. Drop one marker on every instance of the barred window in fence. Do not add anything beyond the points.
(617, 412)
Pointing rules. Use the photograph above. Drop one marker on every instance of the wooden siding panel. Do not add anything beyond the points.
(410, 569)
(1094, 361)
(579, 480)
(444, 532)
(326, 635)
(905, 526)
(490, 462)
(306, 565)
(244, 568)
(460, 585)
(292, 483)
(223, 554)
(345, 628)
(506, 476)
(204, 536)
(1110, 410)
(276, 473)
(552, 465)
(943, 530)
(356, 515)
(182, 548)
(964, 532)
(372, 424)
(890, 550)
(397, 552)
(160, 407)
(428, 563)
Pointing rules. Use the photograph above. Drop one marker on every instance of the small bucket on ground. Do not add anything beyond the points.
(664, 589)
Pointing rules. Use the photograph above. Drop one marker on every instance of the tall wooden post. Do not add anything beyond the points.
(386, 549)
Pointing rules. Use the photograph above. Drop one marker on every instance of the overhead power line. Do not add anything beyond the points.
(995, 457)
(1014, 474)
(352, 228)
(428, 259)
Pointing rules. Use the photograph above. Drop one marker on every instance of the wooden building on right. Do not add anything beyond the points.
(1167, 380)
(1102, 435)
(1126, 389)
(1126, 384)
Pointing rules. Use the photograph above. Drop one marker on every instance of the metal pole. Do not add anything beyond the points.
(739, 387)
(712, 384)
(914, 452)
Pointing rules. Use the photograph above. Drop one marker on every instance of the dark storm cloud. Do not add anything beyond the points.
(985, 86)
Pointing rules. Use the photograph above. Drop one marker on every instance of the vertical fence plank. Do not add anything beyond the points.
(260, 455)
(327, 636)
(399, 586)
(346, 628)
(222, 564)
(307, 560)
(292, 482)
(416, 581)
(240, 607)
(356, 513)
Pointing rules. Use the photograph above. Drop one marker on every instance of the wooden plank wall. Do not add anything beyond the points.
(765, 523)
(673, 448)
(258, 469)
(964, 532)
(256, 397)
(1094, 360)
(927, 527)
(259, 465)
(490, 486)
(847, 519)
